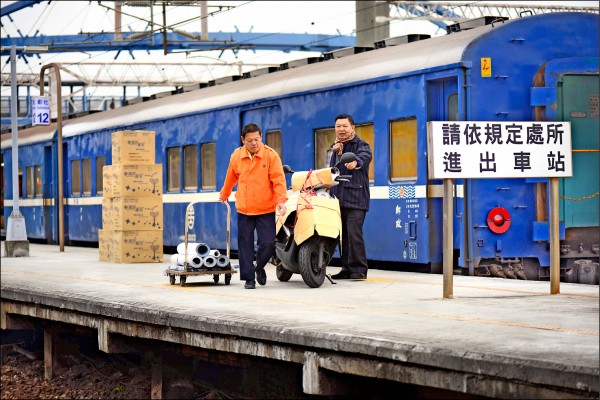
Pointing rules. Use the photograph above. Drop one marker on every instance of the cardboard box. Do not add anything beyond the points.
(133, 147)
(103, 244)
(106, 213)
(136, 246)
(107, 181)
(136, 213)
(132, 180)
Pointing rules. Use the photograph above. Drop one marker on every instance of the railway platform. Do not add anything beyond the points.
(496, 338)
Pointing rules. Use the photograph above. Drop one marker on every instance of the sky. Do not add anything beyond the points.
(74, 17)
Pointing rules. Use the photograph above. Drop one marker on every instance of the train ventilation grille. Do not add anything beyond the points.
(346, 51)
(474, 23)
(395, 41)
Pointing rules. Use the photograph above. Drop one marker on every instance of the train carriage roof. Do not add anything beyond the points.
(414, 56)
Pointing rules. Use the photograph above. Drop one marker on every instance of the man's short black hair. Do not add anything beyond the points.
(250, 128)
(345, 116)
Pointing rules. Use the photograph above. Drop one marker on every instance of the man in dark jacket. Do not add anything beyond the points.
(354, 197)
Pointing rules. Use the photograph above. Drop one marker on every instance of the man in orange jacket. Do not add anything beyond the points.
(256, 169)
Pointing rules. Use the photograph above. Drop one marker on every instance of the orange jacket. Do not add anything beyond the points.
(260, 180)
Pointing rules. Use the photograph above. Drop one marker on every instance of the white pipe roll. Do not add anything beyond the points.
(201, 249)
(209, 261)
(193, 260)
(222, 261)
(215, 253)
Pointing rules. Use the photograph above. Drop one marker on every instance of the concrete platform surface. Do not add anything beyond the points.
(496, 337)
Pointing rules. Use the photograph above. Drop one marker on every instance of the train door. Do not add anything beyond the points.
(65, 191)
(578, 98)
(48, 203)
(442, 105)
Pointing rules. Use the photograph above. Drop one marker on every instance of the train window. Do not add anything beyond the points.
(190, 167)
(209, 165)
(100, 163)
(453, 107)
(29, 182)
(367, 133)
(324, 139)
(173, 169)
(86, 165)
(403, 150)
(37, 178)
(76, 177)
(273, 140)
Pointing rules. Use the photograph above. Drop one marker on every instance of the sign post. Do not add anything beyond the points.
(491, 149)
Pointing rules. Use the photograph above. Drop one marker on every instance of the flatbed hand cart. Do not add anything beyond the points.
(187, 270)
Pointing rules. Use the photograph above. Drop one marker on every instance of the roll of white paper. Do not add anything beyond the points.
(209, 261)
(193, 260)
(201, 249)
(215, 253)
(222, 261)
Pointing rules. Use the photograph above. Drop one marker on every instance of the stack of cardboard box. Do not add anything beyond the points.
(132, 208)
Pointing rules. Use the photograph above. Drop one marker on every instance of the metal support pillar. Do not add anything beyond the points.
(16, 244)
(448, 235)
(554, 238)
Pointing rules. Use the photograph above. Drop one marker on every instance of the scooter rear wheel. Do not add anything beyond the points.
(283, 274)
(308, 259)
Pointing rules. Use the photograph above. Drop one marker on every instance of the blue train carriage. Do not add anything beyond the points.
(392, 93)
(35, 181)
(542, 68)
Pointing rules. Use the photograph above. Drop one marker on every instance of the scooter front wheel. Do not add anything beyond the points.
(312, 273)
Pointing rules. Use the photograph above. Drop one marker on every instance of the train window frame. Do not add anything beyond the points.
(100, 162)
(208, 163)
(76, 177)
(173, 169)
(37, 181)
(29, 182)
(86, 176)
(403, 154)
(325, 137)
(190, 167)
(274, 139)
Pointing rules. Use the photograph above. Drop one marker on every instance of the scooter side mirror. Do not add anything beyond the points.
(346, 158)
(287, 169)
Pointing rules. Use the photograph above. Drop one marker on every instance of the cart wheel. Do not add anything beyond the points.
(227, 279)
(172, 279)
(216, 278)
(182, 280)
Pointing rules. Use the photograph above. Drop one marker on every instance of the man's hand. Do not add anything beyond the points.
(223, 201)
(351, 165)
(281, 209)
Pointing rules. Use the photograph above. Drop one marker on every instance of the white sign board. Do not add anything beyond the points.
(40, 110)
(483, 149)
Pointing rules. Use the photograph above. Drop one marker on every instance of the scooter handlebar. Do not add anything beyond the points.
(346, 178)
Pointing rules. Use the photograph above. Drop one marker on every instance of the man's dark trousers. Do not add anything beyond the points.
(264, 224)
(354, 256)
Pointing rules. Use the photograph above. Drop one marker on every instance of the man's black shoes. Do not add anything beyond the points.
(358, 275)
(343, 274)
(261, 277)
(249, 285)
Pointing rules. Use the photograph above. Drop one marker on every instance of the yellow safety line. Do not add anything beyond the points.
(322, 305)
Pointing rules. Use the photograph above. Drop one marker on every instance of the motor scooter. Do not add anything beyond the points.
(311, 229)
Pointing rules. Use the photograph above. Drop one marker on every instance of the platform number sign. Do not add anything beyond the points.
(40, 110)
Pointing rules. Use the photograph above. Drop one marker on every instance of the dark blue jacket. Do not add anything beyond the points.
(354, 194)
